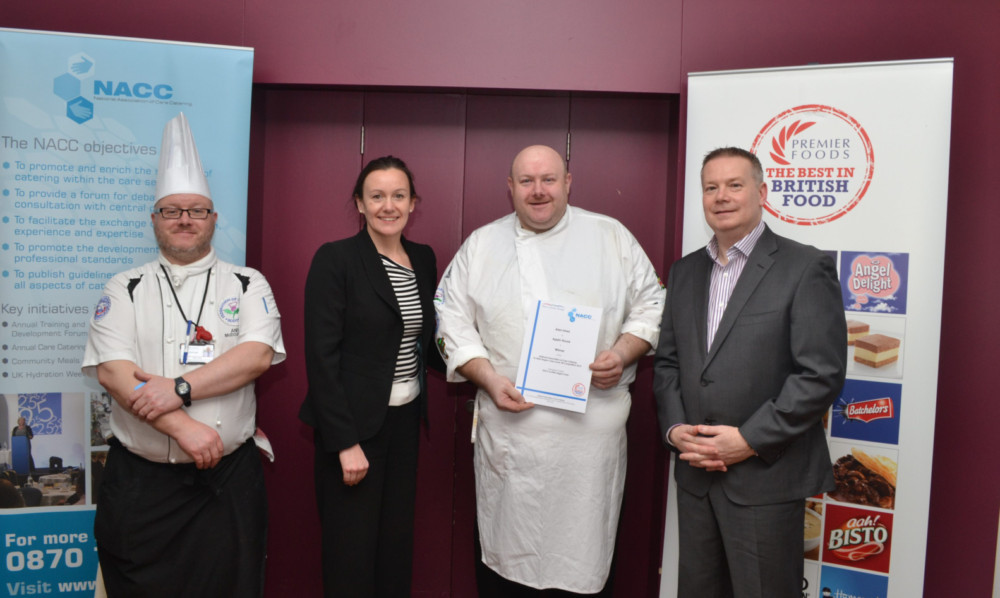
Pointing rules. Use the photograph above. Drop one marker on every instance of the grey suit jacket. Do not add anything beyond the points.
(776, 365)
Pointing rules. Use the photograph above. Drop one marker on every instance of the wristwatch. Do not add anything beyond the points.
(183, 390)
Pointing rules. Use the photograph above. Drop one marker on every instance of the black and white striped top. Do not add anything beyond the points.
(404, 284)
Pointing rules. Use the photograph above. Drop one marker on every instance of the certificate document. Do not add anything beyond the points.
(558, 349)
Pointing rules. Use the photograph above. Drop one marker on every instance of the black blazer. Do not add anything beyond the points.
(775, 366)
(353, 331)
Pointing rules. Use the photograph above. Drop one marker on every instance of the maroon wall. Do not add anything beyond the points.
(555, 44)
(645, 46)
(598, 45)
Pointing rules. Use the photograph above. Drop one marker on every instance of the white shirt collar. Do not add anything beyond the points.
(180, 273)
(744, 245)
(523, 233)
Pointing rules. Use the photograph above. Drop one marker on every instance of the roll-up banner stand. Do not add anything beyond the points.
(855, 157)
(81, 120)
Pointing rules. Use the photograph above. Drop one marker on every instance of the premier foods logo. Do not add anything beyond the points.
(868, 411)
(818, 161)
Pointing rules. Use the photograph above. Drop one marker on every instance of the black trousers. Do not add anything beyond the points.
(368, 528)
(174, 530)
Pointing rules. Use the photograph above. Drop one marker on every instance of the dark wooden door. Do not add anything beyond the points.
(427, 131)
(306, 155)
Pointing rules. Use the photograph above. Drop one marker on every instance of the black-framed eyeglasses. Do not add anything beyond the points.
(175, 213)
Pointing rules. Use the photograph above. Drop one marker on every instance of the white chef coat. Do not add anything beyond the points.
(142, 324)
(548, 482)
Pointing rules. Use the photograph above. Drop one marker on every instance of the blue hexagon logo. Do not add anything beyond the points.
(69, 86)
(80, 110)
(66, 86)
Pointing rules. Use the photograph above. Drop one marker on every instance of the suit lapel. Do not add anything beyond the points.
(758, 263)
(375, 271)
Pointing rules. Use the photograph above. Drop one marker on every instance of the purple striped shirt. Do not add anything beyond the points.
(724, 277)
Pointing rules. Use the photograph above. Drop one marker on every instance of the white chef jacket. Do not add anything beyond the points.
(548, 482)
(137, 320)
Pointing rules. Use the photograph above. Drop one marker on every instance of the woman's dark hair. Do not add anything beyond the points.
(383, 163)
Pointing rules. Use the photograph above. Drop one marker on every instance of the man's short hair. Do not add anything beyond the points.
(737, 152)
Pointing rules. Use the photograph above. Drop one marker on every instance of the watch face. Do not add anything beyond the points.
(183, 388)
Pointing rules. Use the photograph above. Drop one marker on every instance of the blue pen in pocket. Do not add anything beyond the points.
(187, 339)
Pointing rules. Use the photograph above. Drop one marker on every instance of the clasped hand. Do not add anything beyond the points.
(713, 448)
(153, 398)
(202, 443)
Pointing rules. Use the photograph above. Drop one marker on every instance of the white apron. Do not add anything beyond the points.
(548, 482)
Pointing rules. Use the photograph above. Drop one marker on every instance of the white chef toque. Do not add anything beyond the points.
(180, 167)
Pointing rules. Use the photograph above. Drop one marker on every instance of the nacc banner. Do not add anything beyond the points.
(855, 159)
(81, 120)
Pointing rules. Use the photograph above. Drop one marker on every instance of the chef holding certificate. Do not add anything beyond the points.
(557, 349)
(549, 478)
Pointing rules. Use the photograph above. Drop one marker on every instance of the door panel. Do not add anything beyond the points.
(499, 127)
(459, 147)
(428, 132)
(618, 157)
(311, 158)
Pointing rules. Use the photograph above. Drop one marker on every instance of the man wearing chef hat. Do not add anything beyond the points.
(178, 343)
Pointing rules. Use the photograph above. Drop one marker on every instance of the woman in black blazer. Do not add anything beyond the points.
(369, 335)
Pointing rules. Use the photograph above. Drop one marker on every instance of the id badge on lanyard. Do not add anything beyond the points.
(199, 351)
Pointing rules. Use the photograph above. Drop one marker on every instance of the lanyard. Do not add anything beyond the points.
(200, 333)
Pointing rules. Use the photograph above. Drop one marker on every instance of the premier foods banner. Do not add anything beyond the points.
(839, 145)
(81, 119)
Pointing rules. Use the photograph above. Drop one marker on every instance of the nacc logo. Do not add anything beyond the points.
(142, 90)
(69, 86)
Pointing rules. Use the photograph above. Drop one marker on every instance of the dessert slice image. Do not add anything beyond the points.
(876, 350)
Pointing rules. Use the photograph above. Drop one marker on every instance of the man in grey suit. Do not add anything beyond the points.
(752, 353)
